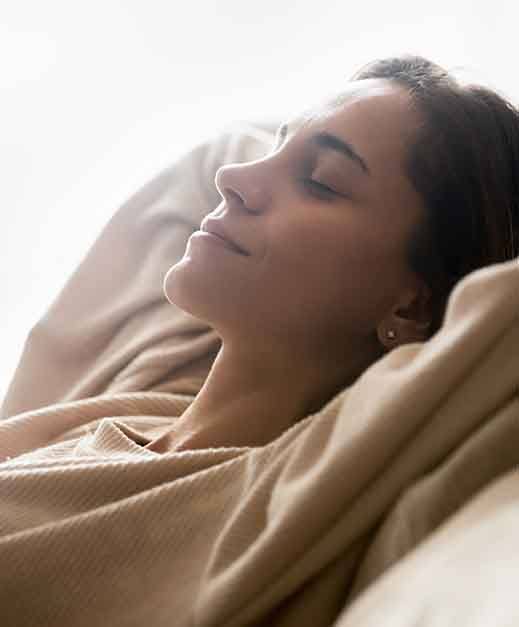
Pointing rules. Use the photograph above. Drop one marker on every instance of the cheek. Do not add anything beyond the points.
(353, 252)
(349, 270)
(326, 266)
(330, 252)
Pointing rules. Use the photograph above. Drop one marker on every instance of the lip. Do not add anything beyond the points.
(214, 227)
(217, 240)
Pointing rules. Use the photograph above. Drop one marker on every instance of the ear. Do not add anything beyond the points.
(409, 319)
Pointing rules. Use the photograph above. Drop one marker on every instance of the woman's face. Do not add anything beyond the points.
(325, 216)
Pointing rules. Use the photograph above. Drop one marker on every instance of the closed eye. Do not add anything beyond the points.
(319, 188)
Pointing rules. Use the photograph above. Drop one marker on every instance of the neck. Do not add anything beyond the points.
(250, 400)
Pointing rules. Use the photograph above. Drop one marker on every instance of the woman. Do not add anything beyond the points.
(357, 224)
(353, 230)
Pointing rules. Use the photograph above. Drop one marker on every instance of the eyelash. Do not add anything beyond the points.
(318, 187)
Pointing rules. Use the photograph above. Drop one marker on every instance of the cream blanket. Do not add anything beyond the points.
(396, 504)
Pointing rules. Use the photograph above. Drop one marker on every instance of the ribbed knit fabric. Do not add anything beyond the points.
(66, 423)
(311, 529)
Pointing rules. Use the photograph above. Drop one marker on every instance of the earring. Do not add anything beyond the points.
(391, 334)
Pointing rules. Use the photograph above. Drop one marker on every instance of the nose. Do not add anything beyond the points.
(241, 186)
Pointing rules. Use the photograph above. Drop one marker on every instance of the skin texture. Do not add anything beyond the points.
(308, 311)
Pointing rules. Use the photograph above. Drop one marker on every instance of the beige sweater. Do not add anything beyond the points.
(97, 530)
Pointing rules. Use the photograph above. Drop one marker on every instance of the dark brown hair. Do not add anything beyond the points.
(464, 162)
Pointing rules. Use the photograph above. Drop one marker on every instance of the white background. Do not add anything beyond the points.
(97, 96)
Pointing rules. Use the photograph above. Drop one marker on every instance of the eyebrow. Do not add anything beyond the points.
(332, 142)
(328, 141)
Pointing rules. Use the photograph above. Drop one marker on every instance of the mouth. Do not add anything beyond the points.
(221, 241)
(217, 232)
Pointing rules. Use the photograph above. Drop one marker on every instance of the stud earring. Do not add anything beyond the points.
(391, 334)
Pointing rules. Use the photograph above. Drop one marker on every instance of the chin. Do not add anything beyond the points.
(183, 289)
(171, 285)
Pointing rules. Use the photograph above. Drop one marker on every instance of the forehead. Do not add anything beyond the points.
(364, 91)
(358, 96)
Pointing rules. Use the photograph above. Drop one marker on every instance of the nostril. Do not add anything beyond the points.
(234, 195)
